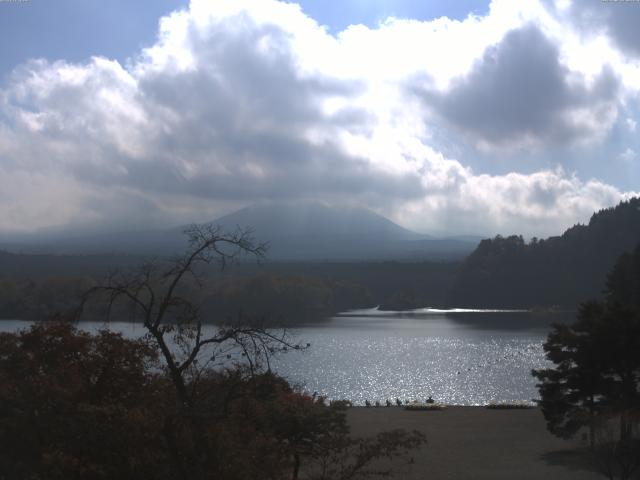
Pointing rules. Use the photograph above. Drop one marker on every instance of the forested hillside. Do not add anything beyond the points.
(559, 271)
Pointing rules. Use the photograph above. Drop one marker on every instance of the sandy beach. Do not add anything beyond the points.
(467, 443)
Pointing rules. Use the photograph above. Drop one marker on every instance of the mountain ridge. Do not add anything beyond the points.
(304, 231)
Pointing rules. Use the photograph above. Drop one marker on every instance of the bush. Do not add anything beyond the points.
(81, 406)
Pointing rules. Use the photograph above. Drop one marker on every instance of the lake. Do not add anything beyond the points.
(459, 357)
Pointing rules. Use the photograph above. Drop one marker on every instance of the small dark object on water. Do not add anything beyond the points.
(430, 400)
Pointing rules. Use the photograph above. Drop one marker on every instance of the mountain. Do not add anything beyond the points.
(313, 231)
(301, 231)
(280, 220)
(561, 271)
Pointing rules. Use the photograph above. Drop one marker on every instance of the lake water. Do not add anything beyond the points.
(459, 357)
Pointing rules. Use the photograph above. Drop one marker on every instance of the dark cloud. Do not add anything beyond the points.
(624, 25)
(235, 126)
(620, 20)
(241, 117)
(520, 92)
(543, 193)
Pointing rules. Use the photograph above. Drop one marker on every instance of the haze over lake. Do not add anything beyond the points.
(459, 357)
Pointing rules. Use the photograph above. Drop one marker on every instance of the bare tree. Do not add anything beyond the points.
(208, 367)
(155, 295)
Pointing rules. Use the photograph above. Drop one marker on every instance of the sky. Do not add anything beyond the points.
(469, 117)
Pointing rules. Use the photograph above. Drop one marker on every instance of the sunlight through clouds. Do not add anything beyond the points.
(245, 100)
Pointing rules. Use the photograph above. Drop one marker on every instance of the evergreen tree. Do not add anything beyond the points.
(597, 360)
(572, 391)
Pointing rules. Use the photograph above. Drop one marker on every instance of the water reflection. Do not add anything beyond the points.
(461, 357)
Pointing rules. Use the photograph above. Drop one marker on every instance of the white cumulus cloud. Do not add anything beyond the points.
(245, 100)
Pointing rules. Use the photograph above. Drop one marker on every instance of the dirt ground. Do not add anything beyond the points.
(465, 443)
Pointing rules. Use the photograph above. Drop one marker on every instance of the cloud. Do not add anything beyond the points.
(519, 94)
(622, 22)
(535, 204)
(542, 203)
(616, 19)
(235, 124)
(631, 124)
(629, 155)
(241, 101)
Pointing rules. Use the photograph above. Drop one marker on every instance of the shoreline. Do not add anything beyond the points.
(472, 442)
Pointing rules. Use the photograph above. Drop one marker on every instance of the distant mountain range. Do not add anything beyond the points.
(562, 271)
(311, 231)
(314, 243)
(300, 231)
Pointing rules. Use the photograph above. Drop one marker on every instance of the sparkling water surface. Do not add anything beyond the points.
(459, 357)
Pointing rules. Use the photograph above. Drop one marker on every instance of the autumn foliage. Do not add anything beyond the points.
(74, 405)
(80, 406)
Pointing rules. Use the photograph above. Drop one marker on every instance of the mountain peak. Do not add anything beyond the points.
(282, 220)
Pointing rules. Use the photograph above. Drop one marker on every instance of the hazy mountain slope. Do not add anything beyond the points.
(311, 231)
(565, 270)
(313, 219)
(301, 231)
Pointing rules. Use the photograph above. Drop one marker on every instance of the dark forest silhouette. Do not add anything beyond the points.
(559, 271)
(595, 382)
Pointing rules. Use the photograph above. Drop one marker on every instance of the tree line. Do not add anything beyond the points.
(285, 293)
(509, 272)
(281, 300)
